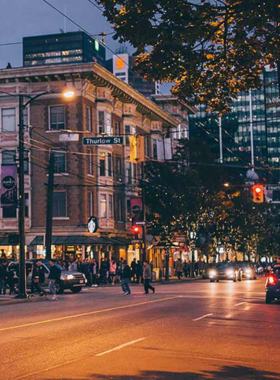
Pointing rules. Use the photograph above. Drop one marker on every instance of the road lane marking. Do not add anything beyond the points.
(204, 316)
(240, 303)
(120, 347)
(88, 313)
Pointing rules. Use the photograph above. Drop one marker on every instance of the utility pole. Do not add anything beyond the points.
(167, 263)
(21, 205)
(221, 140)
(49, 215)
(251, 129)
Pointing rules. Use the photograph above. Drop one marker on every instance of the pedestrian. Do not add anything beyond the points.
(186, 268)
(147, 276)
(119, 272)
(54, 276)
(139, 272)
(94, 273)
(133, 266)
(73, 267)
(179, 268)
(3, 255)
(125, 279)
(3, 277)
(38, 278)
(113, 271)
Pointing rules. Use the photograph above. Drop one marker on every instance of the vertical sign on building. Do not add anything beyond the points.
(136, 209)
(8, 185)
(121, 66)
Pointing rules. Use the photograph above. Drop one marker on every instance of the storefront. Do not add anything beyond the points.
(8, 250)
(70, 248)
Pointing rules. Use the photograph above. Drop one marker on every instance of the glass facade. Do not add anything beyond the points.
(236, 135)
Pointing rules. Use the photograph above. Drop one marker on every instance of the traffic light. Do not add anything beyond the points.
(258, 194)
(135, 230)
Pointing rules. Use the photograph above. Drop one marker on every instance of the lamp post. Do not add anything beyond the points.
(192, 237)
(21, 195)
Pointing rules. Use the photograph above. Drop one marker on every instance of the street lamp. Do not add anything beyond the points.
(68, 94)
(192, 237)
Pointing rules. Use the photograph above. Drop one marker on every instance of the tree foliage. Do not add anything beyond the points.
(210, 49)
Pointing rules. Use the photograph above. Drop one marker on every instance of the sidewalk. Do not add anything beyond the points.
(11, 299)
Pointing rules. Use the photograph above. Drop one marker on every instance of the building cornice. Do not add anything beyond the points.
(93, 73)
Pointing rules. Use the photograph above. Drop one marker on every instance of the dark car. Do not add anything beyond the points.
(74, 281)
(225, 271)
(272, 285)
(247, 270)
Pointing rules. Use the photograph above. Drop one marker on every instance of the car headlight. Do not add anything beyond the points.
(230, 273)
(69, 277)
(212, 273)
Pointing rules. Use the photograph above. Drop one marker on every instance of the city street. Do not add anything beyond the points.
(190, 330)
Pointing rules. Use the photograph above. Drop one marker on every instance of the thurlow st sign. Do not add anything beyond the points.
(103, 140)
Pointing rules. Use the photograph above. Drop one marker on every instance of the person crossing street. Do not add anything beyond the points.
(147, 276)
(54, 276)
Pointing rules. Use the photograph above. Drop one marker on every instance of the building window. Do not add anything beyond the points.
(128, 173)
(155, 153)
(110, 204)
(8, 157)
(102, 164)
(127, 134)
(135, 172)
(26, 162)
(59, 205)
(128, 211)
(103, 206)
(109, 165)
(59, 162)
(8, 119)
(120, 213)
(88, 119)
(90, 203)
(90, 162)
(101, 122)
(118, 166)
(9, 212)
(26, 196)
(117, 128)
(57, 117)
(108, 124)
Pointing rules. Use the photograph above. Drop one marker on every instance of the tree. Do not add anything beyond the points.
(210, 49)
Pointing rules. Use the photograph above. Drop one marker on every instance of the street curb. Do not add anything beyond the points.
(27, 300)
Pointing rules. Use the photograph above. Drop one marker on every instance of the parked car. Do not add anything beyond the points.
(225, 271)
(272, 285)
(247, 270)
(74, 281)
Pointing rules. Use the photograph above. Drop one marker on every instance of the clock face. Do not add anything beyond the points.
(92, 225)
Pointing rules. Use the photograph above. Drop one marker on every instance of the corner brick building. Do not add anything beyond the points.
(89, 180)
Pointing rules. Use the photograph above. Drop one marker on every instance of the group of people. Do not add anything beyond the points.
(187, 268)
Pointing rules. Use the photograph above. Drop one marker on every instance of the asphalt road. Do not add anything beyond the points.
(194, 330)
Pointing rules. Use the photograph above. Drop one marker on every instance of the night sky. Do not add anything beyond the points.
(22, 18)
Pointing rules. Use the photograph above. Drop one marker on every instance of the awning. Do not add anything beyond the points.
(79, 240)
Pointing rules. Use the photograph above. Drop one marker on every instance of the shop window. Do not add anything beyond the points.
(59, 204)
(8, 119)
(57, 117)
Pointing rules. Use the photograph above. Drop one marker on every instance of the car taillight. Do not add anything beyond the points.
(271, 280)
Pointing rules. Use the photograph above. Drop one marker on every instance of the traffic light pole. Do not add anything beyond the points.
(21, 205)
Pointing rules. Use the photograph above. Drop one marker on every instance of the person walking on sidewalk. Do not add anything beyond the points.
(125, 279)
(3, 277)
(147, 276)
(38, 278)
(179, 268)
(54, 276)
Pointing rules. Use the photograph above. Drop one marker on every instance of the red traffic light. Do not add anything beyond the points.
(135, 230)
(258, 193)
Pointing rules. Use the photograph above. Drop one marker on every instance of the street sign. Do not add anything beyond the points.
(140, 223)
(103, 140)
